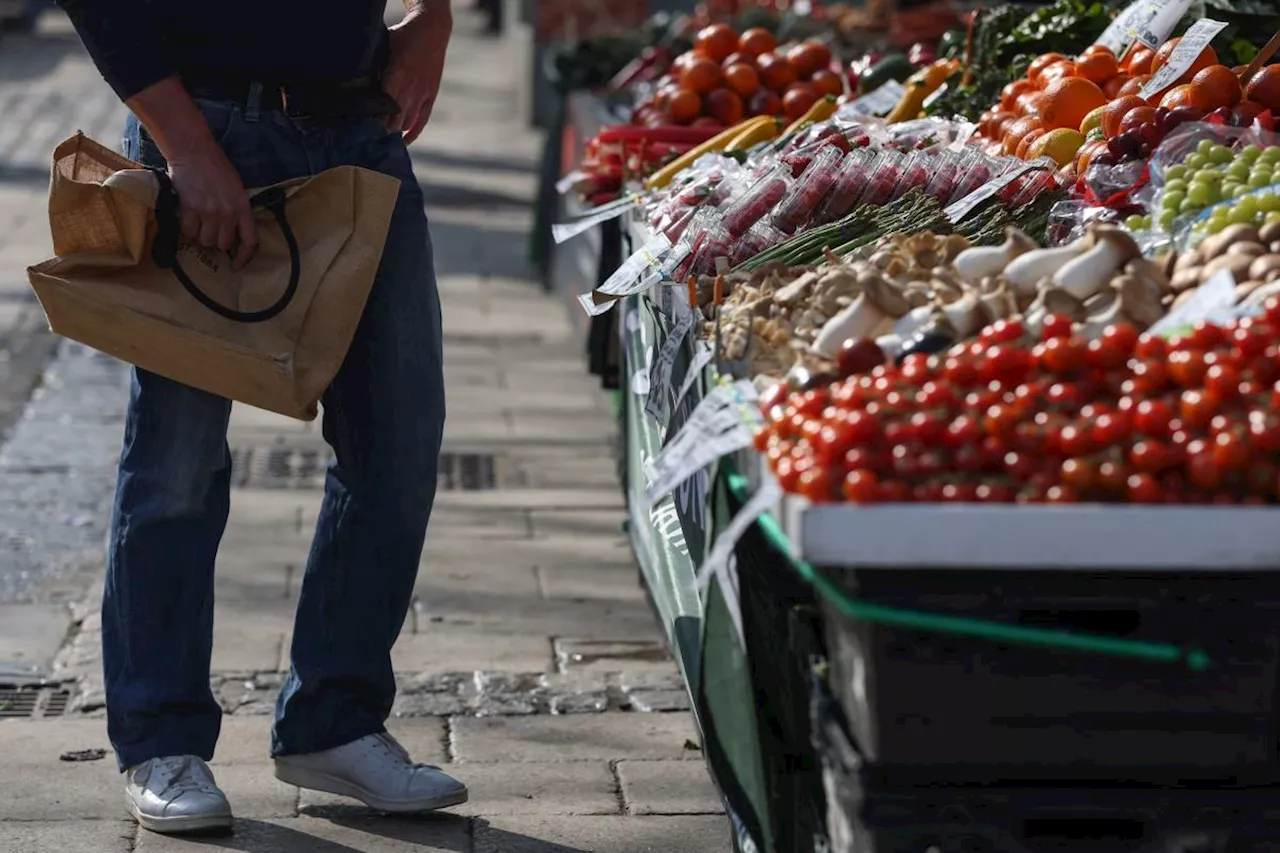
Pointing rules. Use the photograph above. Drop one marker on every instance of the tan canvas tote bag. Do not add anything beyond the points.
(272, 335)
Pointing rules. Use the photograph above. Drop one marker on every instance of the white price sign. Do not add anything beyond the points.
(963, 207)
(879, 102)
(635, 273)
(1148, 21)
(1184, 55)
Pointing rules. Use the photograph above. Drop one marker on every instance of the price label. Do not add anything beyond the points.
(1160, 25)
(1184, 55)
(1148, 21)
(961, 208)
(721, 424)
(563, 231)
(1213, 303)
(566, 183)
(596, 303)
(660, 371)
(878, 102)
(634, 274)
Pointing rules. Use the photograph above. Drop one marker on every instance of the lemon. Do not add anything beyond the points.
(1058, 145)
(1092, 120)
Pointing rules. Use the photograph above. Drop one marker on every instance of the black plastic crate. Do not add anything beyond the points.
(988, 710)
(867, 815)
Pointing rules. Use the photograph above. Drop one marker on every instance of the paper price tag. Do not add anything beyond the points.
(1155, 30)
(961, 208)
(633, 274)
(1116, 36)
(935, 95)
(595, 308)
(563, 231)
(1184, 55)
(721, 424)
(566, 183)
(660, 371)
(880, 101)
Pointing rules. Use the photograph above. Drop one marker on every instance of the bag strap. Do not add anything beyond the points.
(164, 251)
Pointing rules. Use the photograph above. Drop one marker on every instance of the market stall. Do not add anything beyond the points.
(950, 435)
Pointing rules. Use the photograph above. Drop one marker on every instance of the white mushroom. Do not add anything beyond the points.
(913, 320)
(1024, 271)
(981, 261)
(1087, 273)
(967, 315)
(879, 303)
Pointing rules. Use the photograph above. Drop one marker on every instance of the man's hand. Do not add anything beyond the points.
(212, 202)
(418, 45)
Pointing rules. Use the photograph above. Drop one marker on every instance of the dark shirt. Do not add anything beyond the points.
(136, 43)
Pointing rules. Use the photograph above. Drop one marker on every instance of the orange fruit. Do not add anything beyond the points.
(1139, 60)
(739, 58)
(683, 106)
(808, 57)
(1027, 141)
(716, 42)
(742, 78)
(1135, 118)
(1086, 154)
(1183, 95)
(1264, 88)
(1056, 71)
(1112, 87)
(827, 82)
(757, 41)
(1098, 67)
(1040, 63)
(1207, 57)
(1009, 94)
(1115, 111)
(702, 75)
(1016, 130)
(1029, 104)
(725, 106)
(1098, 48)
(798, 99)
(1215, 87)
(1134, 86)
(1066, 102)
(1001, 123)
(776, 72)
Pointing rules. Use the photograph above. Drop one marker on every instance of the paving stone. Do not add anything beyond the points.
(454, 648)
(598, 429)
(593, 737)
(580, 788)
(584, 654)
(668, 788)
(596, 583)
(341, 830)
(40, 742)
(687, 834)
(31, 634)
(539, 499)
(605, 524)
(51, 789)
(242, 647)
(441, 581)
(68, 836)
(255, 792)
(537, 551)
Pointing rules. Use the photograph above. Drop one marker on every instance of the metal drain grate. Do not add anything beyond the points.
(277, 467)
(33, 702)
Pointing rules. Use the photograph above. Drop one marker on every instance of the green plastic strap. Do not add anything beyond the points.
(1194, 659)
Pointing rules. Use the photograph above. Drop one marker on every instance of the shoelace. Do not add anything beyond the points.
(394, 747)
(183, 777)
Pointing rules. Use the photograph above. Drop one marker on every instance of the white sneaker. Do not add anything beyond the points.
(377, 771)
(176, 793)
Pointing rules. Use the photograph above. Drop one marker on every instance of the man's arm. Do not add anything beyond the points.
(130, 53)
(418, 45)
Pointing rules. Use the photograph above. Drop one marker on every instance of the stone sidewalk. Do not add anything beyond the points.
(530, 666)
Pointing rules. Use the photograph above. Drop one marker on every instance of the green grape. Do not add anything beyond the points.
(1178, 185)
(1270, 155)
(1175, 172)
(1238, 172)
(1203, 195)
(1220, 154)
(1197, 161)
(1173, 200)
(1230, 188)
(1237, 190)
(1269, 203)
(1166, 220)
(1247, 205)
(1209, 176)
(1134, 223)
(1189, 206)
(1205, 146)
(1249, 153)
(1257, 182)
(1271, 217)
(1213, 226)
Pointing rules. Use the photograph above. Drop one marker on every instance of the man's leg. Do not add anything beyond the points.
(170, 509)
(384, 417)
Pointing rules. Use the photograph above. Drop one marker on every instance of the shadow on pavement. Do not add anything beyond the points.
(468, 250)
(34, 55)
(478, 162)
(463, 197)
(34, 175)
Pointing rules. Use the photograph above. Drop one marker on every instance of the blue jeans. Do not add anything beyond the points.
(383, 416)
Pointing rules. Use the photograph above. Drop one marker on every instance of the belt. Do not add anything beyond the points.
(360, 98)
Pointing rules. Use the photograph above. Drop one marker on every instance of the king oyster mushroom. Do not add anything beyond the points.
(1026, 271)
(976, 263)
(1053, 300)
(879, 304)
(1093, 270)
(1125, 302)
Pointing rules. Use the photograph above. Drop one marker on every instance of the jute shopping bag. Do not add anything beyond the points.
(272, 335)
